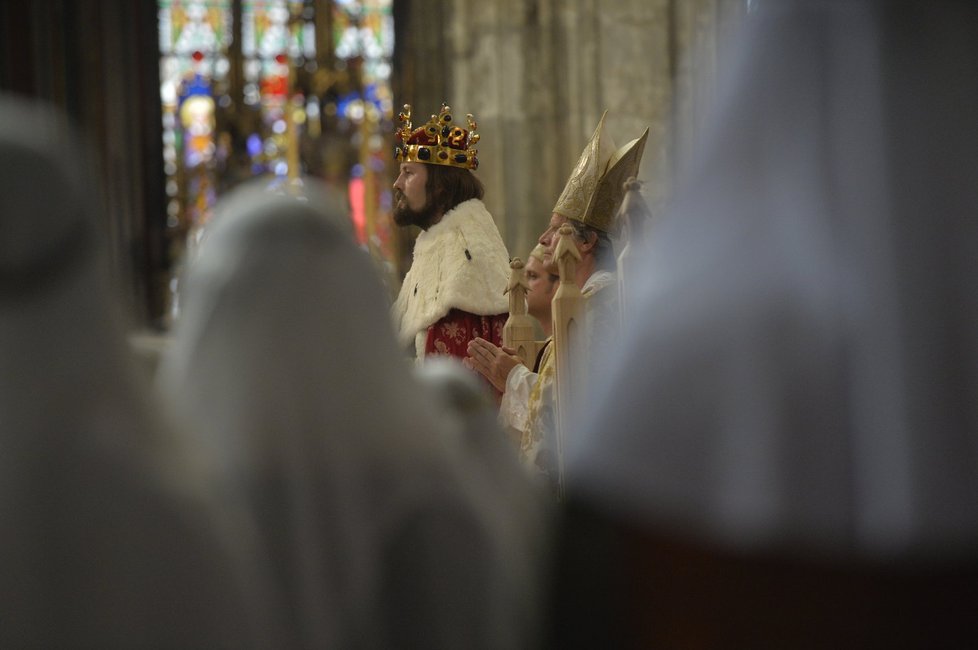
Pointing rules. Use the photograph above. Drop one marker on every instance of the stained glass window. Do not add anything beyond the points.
(283, 93)
(194, 37)
(278, 36)
(363, 37)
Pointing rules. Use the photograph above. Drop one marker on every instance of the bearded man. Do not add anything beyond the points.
(454, 291)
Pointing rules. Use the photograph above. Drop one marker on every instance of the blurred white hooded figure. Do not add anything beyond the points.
(109, 537)
(788, 452)
(285, 361)
(516, 501)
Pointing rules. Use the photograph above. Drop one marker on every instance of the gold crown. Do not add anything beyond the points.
(595, 187)
(437, 142)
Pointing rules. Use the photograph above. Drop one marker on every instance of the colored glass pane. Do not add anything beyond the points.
(257, 98)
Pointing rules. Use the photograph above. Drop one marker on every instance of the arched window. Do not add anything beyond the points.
(278, 89)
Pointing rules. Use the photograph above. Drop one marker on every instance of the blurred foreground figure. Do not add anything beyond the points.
(515, 500)
(108, 538)
(787, 455)
(285, 360)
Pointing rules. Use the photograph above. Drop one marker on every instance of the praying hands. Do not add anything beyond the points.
(491, 361)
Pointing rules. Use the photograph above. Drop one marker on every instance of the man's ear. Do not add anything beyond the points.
(590, 241)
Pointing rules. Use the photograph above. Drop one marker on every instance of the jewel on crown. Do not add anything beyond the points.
(438, 142)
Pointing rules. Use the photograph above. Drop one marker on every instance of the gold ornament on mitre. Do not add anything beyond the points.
(595, 187)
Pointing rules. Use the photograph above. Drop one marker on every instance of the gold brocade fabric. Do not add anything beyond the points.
(595, 187)
(583, 181)
(541, 405)
(538, 444)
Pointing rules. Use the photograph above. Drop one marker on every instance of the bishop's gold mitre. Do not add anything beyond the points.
(595, 188)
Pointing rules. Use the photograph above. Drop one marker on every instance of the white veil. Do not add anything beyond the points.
(285, 361)
(109, 536)
(803, 370)
(517, 501)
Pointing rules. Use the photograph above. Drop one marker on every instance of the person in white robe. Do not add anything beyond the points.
(786, 454)
(517, 503)
(111, 534)
(285, 360)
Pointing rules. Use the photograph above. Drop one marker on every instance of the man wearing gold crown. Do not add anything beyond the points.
(589, 203)
(455, 288)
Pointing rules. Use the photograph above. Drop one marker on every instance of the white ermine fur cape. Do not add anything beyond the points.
(460, 262)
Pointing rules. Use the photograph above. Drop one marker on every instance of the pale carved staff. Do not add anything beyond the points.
(519, 330)
(568, 333)
(635, 219)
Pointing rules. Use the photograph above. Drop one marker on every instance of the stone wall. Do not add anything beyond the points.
(538, 73)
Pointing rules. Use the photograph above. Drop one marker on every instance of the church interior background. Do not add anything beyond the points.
(183, 99)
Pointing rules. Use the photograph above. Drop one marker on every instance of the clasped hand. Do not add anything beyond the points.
(491, 361)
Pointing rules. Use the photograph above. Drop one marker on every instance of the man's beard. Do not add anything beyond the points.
(405, 216)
